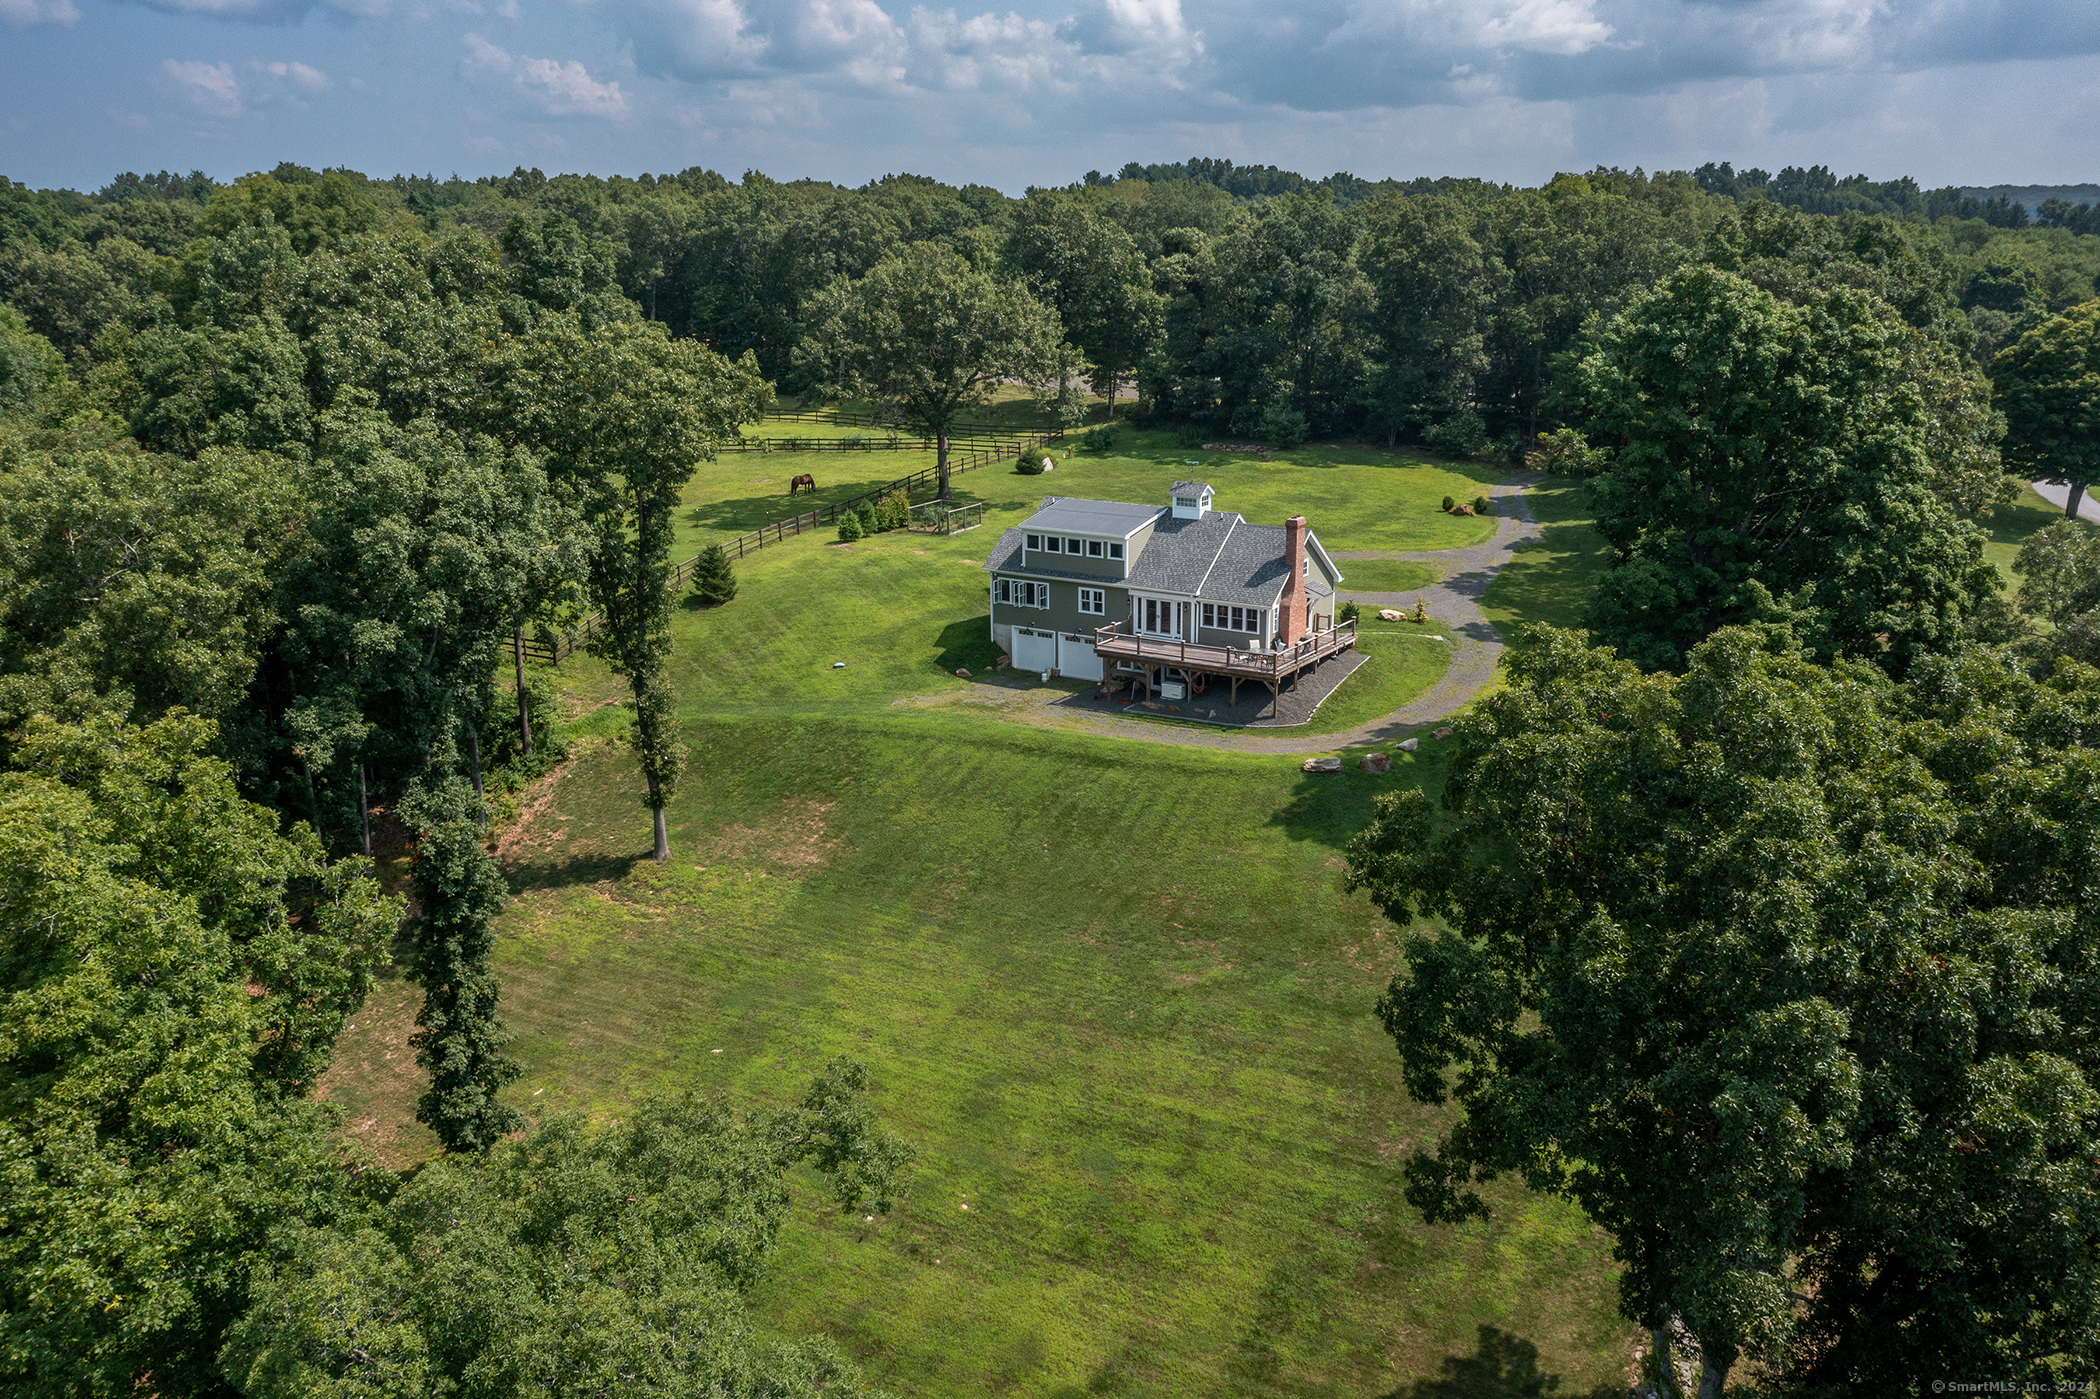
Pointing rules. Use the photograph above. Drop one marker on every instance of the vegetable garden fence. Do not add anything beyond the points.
(555, 647)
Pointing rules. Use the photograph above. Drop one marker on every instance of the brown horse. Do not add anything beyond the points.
(800, 481)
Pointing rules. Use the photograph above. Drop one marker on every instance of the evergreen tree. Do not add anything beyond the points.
(714, 581)
(458, 1037)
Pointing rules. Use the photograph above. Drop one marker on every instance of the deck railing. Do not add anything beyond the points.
(1121, 641)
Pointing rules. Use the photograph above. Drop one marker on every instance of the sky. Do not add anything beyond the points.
(1967, 92)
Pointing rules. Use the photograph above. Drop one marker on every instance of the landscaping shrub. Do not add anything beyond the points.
(1348, 612)
(893, 511)
(866, 511)
(849, 527)
(1480, 505)
(1448, 503)
(1099, 439)
(714, 581)
(1030, 462)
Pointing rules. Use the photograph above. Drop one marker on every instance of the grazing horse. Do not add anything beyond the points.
(800, 481)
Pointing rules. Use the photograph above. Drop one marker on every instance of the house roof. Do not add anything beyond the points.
(1114, 518)
(1218, 558)
(1195, 488)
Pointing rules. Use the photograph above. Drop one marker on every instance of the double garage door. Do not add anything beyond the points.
(1068, 654)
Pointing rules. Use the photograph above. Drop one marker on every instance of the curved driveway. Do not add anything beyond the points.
(1476, 649)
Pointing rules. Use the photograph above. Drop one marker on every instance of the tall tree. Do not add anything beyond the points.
(622, 414)
(175, 974)
(2047, 383)
(1086, 268)
(1786, 974)
(928, 336)
(1775, 457)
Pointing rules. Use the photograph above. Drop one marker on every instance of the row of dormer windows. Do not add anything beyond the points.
(1072, 544)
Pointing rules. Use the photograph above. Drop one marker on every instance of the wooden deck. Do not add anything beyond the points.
(1118, 642)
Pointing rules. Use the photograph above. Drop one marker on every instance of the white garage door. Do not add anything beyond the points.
(1034, 650)
(1076, 659)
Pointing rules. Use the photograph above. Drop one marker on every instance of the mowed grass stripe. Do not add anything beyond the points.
(1170, 1137)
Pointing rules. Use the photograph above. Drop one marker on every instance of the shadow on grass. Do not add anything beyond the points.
(527, 877)
(1502, 1366)
(1329, 808)
(967, 645)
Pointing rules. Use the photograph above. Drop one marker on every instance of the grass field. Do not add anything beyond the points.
(1549, 579)
(1386, 575)
(1114, 991)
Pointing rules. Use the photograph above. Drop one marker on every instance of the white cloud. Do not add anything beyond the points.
(209, 87)
(293, 74)
(558, 88)
(21, 12)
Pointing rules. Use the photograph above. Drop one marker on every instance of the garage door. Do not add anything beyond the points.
(1035, 650)
(1076, 659)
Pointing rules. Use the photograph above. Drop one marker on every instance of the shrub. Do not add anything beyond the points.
(714, 581)
(1348, 612)
(1099, 439)
(1480, 505)
(866, 511)
(1565, 451)
(1284, 426)
(1030, 462)
(849, 527)
(893, 511)
(1448, 504)
(1460, 435)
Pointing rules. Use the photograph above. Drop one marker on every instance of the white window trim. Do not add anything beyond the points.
(1100, 601)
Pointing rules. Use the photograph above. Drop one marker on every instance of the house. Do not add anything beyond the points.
(1084, 585)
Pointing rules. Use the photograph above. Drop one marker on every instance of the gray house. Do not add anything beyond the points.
(1181, 573)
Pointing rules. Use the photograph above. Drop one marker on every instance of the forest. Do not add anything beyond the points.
(291, 467)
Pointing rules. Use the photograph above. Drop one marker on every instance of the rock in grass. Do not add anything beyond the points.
(1321, 765)
(1409, 745)
(1390, 614)
(963, 671)
(1443, 733)
(1376, 762)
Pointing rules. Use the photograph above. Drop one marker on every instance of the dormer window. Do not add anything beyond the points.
(1035, 541)
(1191, 499)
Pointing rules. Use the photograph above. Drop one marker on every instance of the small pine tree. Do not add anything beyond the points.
(458, 1037)
(849, 527)
(714, 581)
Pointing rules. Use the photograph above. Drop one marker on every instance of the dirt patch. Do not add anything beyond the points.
(797, 838)
(535, 801)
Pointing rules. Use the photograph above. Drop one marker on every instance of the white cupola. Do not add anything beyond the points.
(1191, 499)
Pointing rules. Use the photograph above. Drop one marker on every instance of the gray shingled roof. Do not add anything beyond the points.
(1113, 518)
(1006, 558)
(1219, 558)
(1180, 553)
(1195, 488)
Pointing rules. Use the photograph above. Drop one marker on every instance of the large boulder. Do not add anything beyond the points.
(1375, 762)
(1409, 745)
(1391, 614)
(1321, 765)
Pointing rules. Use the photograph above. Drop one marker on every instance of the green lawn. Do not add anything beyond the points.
(1386, 575)
(1549, 579)
(2011, 524)
(1116, 995)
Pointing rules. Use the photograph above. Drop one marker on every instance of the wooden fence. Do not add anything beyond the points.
(555, 647)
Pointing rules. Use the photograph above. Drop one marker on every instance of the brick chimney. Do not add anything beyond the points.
(1291, 618)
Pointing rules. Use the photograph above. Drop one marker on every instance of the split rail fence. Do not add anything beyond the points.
(556, 647)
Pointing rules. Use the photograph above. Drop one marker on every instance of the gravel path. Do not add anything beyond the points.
(2088, 508)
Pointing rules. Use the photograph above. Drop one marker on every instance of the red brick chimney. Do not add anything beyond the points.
(1291, 619)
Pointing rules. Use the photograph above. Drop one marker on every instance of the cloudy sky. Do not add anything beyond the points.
(1951, 91)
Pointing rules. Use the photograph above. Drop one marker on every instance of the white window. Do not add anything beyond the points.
(1005, 590)
(1093, 548)
(1115, 549)
(1035, 541)
(1072, 546)
(1186, 502)
(1052, 544)
(1093, 600)
(1208, 619)
(1038, 594)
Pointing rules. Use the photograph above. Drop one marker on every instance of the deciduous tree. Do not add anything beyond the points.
(2047, 383)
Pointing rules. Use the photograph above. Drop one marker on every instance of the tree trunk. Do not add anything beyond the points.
(1665, 1363)
(663, 837)
(2076, 494)
(940, 444)
(364, 808)
(1712, 1376)
(517, 653)
(474, 761)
